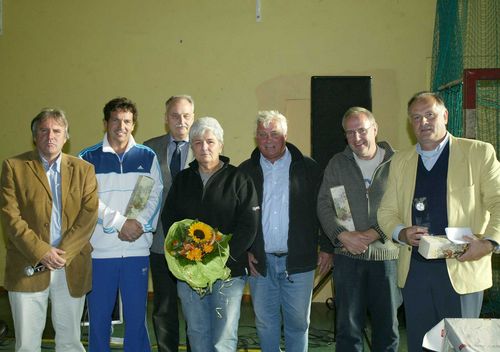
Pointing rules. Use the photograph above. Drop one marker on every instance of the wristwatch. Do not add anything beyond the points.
(496, 246)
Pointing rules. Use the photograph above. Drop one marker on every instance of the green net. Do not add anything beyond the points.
(452, 97)
(447, 50)
(488, 112)
(467, 36)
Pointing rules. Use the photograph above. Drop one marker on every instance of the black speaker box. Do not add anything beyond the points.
(331, 96)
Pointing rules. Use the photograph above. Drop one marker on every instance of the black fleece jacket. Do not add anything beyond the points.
(304, 232)
(228, 202)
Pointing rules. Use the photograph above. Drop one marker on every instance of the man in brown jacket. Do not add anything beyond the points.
(48, 205)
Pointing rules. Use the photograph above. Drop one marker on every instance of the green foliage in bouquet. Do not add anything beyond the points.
(197, 254)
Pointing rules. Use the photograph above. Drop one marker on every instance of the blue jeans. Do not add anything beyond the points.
(212, 320)
(363, 286)
(279, 293)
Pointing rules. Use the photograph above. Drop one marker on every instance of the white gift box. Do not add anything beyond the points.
(450, 246)
(435, 247)
(464, 335)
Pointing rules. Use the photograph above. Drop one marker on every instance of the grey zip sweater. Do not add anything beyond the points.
(342, 169)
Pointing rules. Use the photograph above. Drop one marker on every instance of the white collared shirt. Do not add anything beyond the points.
(275, 203)
(429, 157)
(53, 173)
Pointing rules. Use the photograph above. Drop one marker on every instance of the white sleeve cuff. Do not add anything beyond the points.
(395, 234)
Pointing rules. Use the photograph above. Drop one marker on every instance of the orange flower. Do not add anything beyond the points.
(194, 254)
(207, 248)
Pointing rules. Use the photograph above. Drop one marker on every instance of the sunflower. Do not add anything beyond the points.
(200, 232)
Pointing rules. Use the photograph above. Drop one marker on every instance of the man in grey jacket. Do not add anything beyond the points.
(365, 258)
(174, 154)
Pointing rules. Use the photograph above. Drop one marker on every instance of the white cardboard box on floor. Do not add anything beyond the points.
(464, 335)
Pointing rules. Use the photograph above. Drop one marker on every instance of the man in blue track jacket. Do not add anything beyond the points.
(120, 259)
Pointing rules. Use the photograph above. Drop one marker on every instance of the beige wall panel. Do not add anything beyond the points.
(79, 54)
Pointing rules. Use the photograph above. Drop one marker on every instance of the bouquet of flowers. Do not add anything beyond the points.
(197, 253)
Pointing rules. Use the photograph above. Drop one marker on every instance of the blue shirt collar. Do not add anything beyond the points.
(287, 157)
(57, 162)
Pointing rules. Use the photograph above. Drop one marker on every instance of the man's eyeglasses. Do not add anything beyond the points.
(361, 131)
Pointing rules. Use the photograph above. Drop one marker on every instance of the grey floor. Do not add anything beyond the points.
(321, 334)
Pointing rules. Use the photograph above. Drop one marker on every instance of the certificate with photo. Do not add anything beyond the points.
(139, 197)
(342, 208)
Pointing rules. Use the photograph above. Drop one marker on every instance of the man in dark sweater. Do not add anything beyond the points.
(365, 258)
(284, 256)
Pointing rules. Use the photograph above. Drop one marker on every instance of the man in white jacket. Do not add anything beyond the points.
(120, 260)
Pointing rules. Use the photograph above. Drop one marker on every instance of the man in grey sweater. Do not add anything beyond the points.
(365, 258)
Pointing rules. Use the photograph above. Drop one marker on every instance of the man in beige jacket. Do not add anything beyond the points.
(442, 182)
(48, 203)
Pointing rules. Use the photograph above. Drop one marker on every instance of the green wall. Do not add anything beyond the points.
(77, 55)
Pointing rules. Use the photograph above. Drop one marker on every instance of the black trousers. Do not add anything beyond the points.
(165, 311)
(428, 298)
